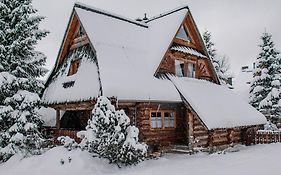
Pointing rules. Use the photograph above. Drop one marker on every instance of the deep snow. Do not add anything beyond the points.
(256, 160)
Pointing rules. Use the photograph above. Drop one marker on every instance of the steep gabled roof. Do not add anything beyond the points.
(128, 53)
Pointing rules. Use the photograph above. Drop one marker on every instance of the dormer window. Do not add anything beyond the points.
(184, 69)
(74, 67)
(183, 34)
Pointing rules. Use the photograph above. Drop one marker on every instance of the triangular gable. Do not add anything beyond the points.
(188, 44)
(76, 67)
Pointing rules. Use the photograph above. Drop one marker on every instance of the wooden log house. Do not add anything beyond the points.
(157, 70)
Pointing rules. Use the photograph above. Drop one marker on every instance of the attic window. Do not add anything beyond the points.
(190, 70)
(183, 34)
(184, 69)
(74, 67)
(179, 67)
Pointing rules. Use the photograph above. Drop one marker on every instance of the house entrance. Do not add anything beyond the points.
(75, 120)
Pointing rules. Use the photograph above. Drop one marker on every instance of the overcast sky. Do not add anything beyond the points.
(236, 26)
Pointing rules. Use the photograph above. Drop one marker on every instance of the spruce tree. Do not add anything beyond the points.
(20, 67)
(220, 64)
(110, 135)
(265, 87)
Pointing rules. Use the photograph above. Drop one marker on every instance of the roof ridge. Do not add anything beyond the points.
(167, 13)
(109, 14)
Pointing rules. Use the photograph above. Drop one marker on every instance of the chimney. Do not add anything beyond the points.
(145, 17)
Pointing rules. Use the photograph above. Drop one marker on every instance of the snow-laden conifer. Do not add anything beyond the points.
(20, 66)
(110, 135)
(265, 87)
(220, 63)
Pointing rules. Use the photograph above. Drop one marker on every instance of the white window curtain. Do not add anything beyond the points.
(179, 67)
(169, 119)
(156, 120)
(191, 70)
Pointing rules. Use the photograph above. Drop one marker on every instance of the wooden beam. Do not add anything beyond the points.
(190, 128)
(79, 44)
(79, 39)
(86, 105)
(58, 119)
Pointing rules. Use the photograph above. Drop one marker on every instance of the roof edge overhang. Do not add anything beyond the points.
(109, 14)
(55, 67)
(167, 13)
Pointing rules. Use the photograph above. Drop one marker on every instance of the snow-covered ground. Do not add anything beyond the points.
(254, 160)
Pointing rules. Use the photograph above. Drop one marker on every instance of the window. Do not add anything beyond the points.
(191, 70)
(169, 119)
(162, 120)
(182, 34)
(156, 120)
(74, 67)
(179, 67)
(184, 69)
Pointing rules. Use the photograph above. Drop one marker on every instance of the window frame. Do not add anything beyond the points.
(163, 119)
(185, 29)
(185, 67)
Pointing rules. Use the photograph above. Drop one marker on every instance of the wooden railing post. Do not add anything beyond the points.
(58, 119)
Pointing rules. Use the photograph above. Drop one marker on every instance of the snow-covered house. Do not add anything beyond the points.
(156, 69)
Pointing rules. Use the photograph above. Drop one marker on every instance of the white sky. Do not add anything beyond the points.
(236, 26)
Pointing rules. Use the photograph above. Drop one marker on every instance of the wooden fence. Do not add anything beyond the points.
(266, 136)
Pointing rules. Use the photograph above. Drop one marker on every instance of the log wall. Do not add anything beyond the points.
(200, 133)
(217, 137)
(164, 136)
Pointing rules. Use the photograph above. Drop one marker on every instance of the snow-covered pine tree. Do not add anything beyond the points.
(221, 64)
(20, 66)
(265, 87)
(110, 135)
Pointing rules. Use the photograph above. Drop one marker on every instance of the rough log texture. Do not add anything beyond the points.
(166, 136)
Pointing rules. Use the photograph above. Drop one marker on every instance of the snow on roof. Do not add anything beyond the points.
(187, 50)
(109, 14)
(216, 105)
(83, 85)
(128, 55)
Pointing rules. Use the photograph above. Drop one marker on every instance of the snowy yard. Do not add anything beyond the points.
(257, 160)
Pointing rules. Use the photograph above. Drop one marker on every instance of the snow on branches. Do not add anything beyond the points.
(20, 67)
(110, 135)
(220, 63)
(265, 87)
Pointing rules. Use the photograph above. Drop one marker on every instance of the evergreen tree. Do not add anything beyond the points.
(265, 87)
(20, 66)
(110, 135)
(220, 64)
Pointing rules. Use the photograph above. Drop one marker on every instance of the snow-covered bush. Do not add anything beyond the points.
(110, 135)
(68, 142)
(20, 67)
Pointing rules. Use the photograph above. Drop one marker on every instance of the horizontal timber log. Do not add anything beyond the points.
(82, 43)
